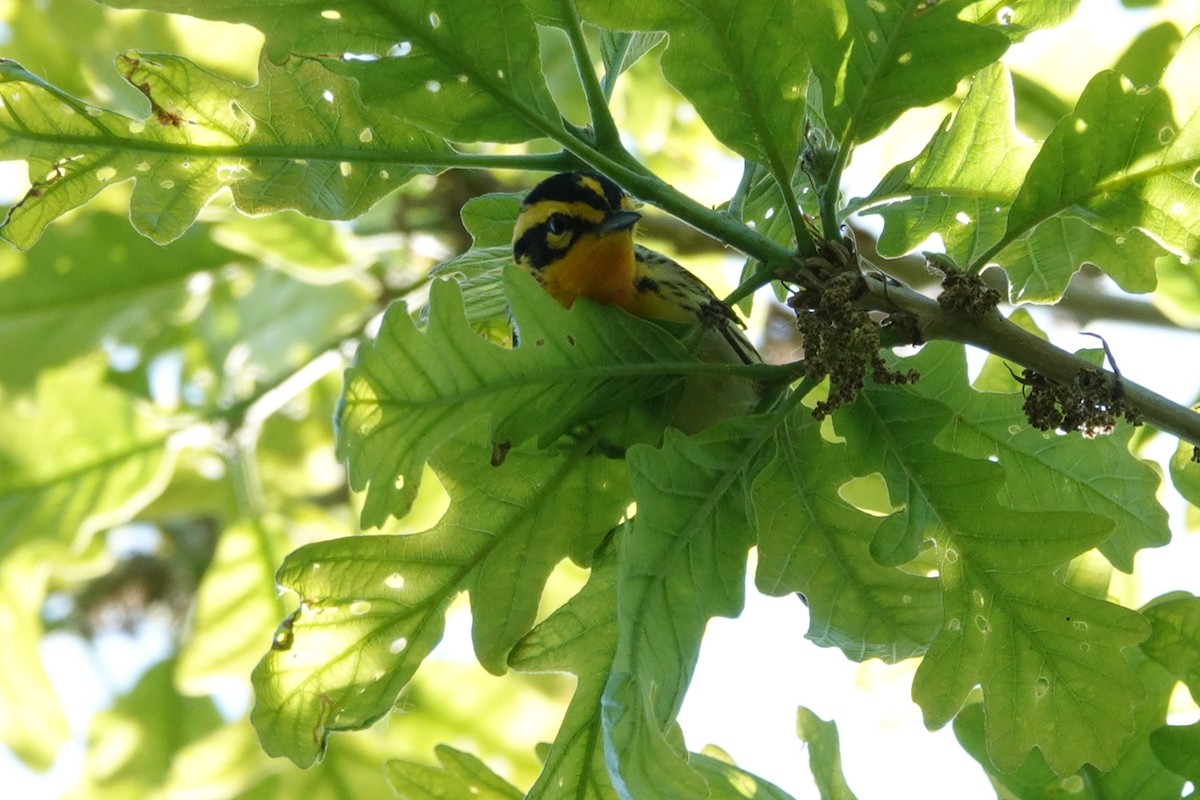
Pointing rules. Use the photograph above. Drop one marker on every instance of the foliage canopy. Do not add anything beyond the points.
(177, 374)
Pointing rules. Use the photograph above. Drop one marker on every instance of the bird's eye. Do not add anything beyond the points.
(556, 224)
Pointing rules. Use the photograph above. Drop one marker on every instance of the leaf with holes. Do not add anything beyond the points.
(372, 607)
(742, 71)
(467, 71)
(962, 186)
(1138, 773)
(1046, 471)
(877, 59)
(1125, 159)
(410, 390)
(300, 139)
(1045, 655)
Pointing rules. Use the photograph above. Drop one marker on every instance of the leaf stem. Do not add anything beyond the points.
(608, 138)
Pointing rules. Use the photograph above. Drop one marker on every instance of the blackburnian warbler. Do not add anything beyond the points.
(574, 234)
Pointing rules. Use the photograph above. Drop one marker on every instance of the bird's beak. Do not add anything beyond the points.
(618, 221)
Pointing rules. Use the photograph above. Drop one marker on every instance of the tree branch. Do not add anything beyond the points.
(997, 335)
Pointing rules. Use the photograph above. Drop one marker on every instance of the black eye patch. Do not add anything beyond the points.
(534, 247)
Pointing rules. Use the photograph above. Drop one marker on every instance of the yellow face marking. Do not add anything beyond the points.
(540, 212)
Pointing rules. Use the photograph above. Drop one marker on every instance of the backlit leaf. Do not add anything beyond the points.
(682, 562)
(76, 457)
(813, 542)
(300, 139)
(442, 67)
(372, 607)
(410, 390)
(876, 60)
(742, 71)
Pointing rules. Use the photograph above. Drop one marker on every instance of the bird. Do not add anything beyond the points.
(574, 234)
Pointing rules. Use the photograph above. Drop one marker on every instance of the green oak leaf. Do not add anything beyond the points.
(682, 562)
(824, 755)
(1185, 473)
(489, 218)
(135, 742)
(742, 71)
(300, 139)
(1137, 774)
(727, 781)
(236, 606)
(1044, 655)
(1067, 664)
(372, 607)
(468, 71)
(59, 303)
(76, 457)
(813, 542)
(409, 390)
(289, 241)
(962, 186)
(461, 775)
(1019, 18)
(1147, 56)
(580, 637)
(1177, 747)
(1175, 641)
(33, 725)
(876, 60)
(1121, 161)
(620, 50)
(1099, 476)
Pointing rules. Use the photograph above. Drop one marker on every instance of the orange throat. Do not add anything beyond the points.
(598, 268)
